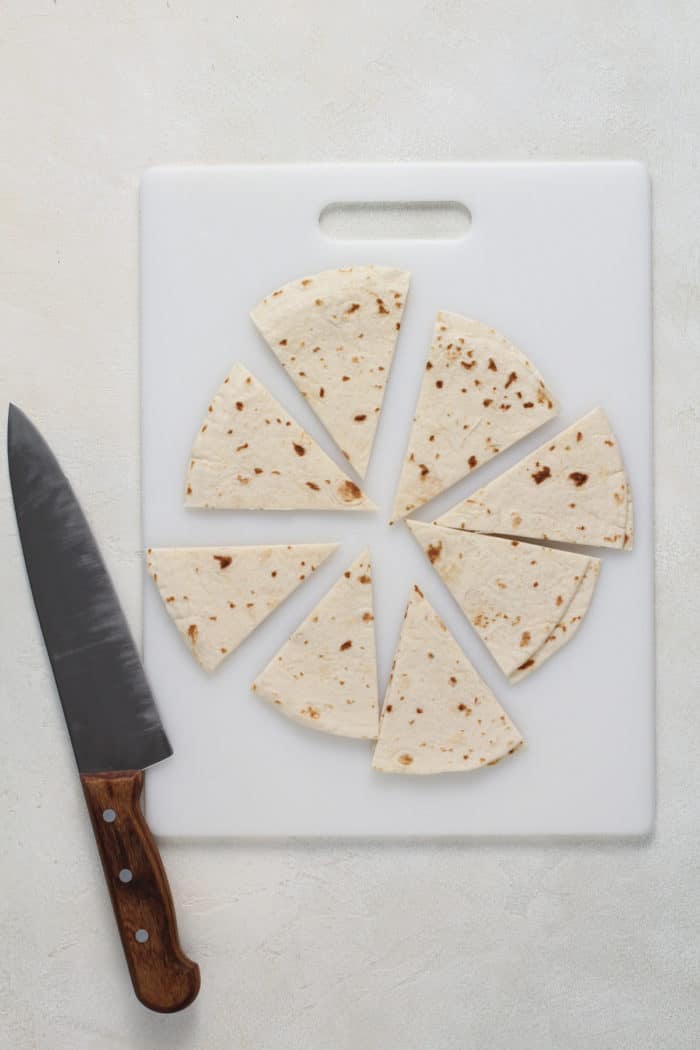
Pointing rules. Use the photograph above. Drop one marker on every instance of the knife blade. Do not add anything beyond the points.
(112, 718)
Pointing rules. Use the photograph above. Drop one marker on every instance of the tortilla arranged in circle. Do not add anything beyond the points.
(438, 716)
(217, 596)
(335, 334)
(516, 595)
(249, 454)
(573, 489)
(479, 395)
(325, 676)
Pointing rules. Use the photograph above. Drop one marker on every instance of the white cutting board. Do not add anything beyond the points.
(558, 258)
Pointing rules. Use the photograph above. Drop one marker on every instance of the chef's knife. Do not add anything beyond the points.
(111, 715)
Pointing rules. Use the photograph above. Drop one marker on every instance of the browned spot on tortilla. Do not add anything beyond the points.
(433, 551)
(382, 308)
(345, 645)
(349, 491)
(472, 461)
(528, 404)
(578, 478)
(511, 379)
(312, 485)
(192, 632)
(528, 663)
(360, 418)
(204, 427)
(389, 707)
(439, 384)
(318, 302)
(488, 401)
(560, 600)
(189, 490)
(417, 589)
(239, 406)
(171, 598)
(405, 760)
(283, 342)
(364, 578)
(525, 639)
(322, 392)
(397, 326)
(240, 448)
(367, 617)
(312, 712)
(541, 475)
(224, 560)
(299, 449)
(492, 365)
(423, 470)
(346, 379)
(467, 364)
(579, 436)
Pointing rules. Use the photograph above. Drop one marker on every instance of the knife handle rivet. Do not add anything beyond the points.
(126, 875)
(109, 816)
(141, 936)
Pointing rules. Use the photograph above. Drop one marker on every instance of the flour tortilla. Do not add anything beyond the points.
(218, 595)
(574, 489)
(438, 714)
(514, 594)
(335, 333)
(480, 394)
(568, 625)
(325, 676)
(249, 454)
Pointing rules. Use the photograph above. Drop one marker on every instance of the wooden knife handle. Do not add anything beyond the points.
(164, 978)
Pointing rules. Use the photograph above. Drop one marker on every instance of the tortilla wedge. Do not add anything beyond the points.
(573, 489)
(438, 714)
(516, 595)
(480, 395)
(217, 596)
(335, 333)
(325, 676)
(249, 454)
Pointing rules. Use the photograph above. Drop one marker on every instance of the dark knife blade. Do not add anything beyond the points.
(110, 712)
(111, 715)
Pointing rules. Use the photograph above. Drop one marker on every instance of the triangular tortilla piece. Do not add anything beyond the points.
(218, 595)
(514, 594)
(438, 714)
(567, 626)
(325, 676)
(249, 454)
(573, 489)
(335, 333)
(480, 394)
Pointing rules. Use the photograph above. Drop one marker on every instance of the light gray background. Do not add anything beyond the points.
(345, 946)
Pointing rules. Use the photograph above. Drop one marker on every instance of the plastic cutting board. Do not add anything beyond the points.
(558, 258)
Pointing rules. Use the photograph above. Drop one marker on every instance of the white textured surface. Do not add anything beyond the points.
(531, 946)
(213, 241)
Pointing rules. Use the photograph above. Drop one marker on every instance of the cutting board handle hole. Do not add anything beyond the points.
(395, 220)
